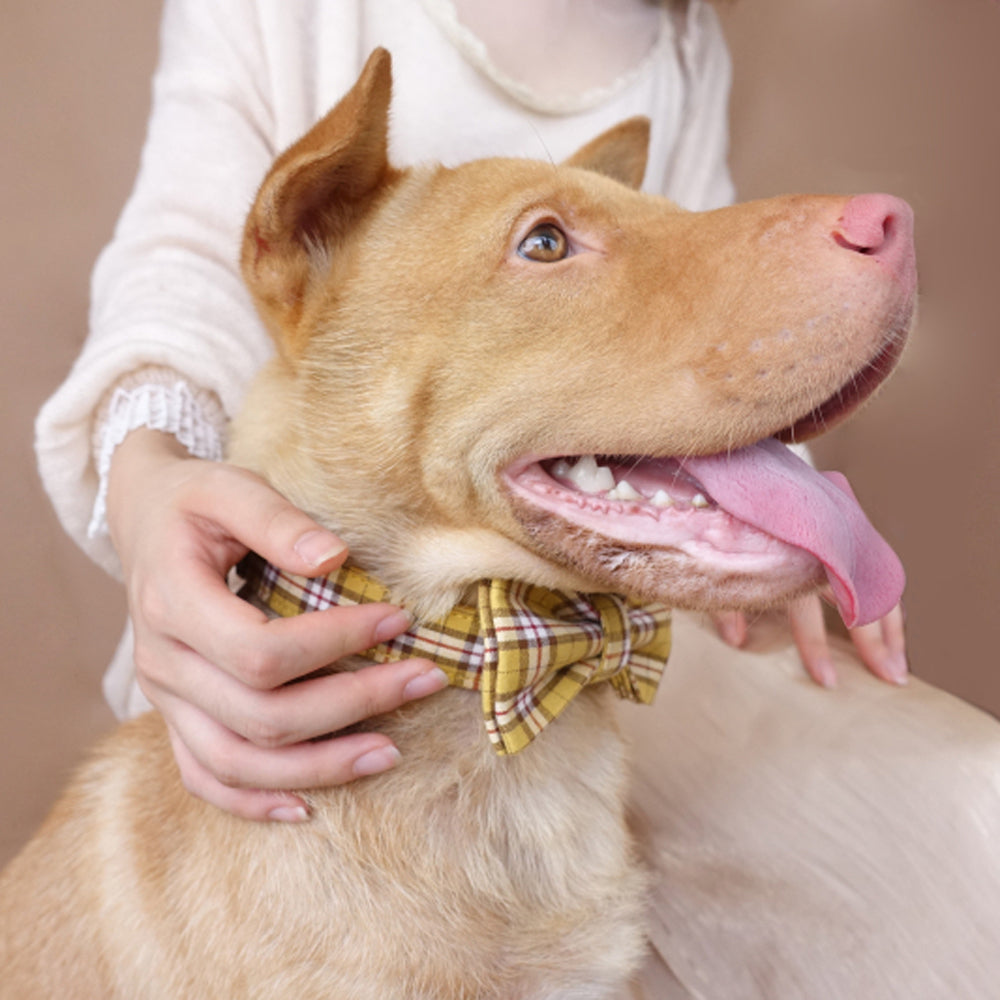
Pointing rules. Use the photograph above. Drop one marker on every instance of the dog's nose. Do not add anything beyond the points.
(880, 226)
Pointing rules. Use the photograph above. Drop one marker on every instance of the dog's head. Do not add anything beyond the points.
(516, 368)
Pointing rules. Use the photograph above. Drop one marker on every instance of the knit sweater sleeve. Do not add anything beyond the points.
(166, 291)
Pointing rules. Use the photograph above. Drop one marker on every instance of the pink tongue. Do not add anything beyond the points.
(771, 488)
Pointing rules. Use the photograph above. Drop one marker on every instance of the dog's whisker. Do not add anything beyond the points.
(544, 146)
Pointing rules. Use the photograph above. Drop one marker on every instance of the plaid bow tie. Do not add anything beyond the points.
(526, 649)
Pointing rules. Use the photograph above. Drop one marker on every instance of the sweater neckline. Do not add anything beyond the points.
(444, 14)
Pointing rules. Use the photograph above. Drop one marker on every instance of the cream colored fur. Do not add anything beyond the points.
(418, 355)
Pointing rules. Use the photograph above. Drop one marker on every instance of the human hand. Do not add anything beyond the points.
(881, 645)
(215, 666)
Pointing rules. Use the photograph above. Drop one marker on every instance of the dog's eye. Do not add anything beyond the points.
(546, 244)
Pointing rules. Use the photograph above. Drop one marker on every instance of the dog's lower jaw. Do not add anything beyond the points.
(670, 576)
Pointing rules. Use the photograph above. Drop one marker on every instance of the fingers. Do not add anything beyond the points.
(731, 626)
(234, 769)
(237, 764)
(292, 714)
(247, 804)
(882, 647)
(805, 617)
(261, 652)
(348, 758)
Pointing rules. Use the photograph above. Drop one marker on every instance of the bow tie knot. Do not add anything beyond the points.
(528, 650)
(618, 630)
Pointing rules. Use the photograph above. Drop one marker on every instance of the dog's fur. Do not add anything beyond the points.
(419, 356)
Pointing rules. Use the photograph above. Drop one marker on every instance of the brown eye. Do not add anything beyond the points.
(546, 244)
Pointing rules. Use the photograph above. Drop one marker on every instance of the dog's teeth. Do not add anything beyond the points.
(563, 468)
(699, 500)
(661, 498)
(588, 476)
(625, 491)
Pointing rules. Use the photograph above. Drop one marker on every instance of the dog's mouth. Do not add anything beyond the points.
(759, 510)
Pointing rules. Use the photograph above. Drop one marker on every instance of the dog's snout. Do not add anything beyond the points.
(880, 226)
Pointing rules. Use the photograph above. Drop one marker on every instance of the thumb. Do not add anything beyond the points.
(257, 516)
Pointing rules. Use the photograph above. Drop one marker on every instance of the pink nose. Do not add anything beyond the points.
(880, 226)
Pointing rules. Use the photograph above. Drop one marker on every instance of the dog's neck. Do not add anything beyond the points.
(527, 650)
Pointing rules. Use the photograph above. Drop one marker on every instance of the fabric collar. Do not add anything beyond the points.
(526, 649)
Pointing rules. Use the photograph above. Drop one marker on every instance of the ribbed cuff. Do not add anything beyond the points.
(161, 400)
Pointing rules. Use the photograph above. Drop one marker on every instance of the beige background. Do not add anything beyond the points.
(830, 95)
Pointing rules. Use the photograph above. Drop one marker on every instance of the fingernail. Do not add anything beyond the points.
(390, 626)
(733, 631)
(825, 673)
(377, 761)
(318, 546)
(425, 684)
(289, 814)
(898, 669)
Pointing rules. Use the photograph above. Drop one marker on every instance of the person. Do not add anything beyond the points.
(129, 446)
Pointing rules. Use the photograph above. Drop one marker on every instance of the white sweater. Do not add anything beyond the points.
(238, 80)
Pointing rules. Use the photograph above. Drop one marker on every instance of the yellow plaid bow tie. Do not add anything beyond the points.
(526, 649)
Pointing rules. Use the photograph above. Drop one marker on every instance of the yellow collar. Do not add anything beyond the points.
(526, 649)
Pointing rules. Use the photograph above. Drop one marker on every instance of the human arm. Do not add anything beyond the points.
(167, 294)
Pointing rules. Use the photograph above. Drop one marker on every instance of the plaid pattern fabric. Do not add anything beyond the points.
(527, 650)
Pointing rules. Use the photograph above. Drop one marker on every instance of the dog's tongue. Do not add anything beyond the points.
(771, 488)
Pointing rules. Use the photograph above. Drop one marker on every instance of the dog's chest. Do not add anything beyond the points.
(459, 796)
(482, 863)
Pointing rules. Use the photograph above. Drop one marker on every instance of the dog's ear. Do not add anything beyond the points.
(312, 195)
(620, 153)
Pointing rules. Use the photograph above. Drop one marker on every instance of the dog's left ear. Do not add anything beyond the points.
(312, 195)
(620, 153)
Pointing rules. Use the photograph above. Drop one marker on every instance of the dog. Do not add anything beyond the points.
(504, 371)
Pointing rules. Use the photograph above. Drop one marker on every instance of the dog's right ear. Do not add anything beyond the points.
(313, 193)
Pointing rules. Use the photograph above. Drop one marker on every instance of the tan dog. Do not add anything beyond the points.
(450, 344)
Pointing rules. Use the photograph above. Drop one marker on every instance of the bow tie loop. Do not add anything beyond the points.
(542, 647)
